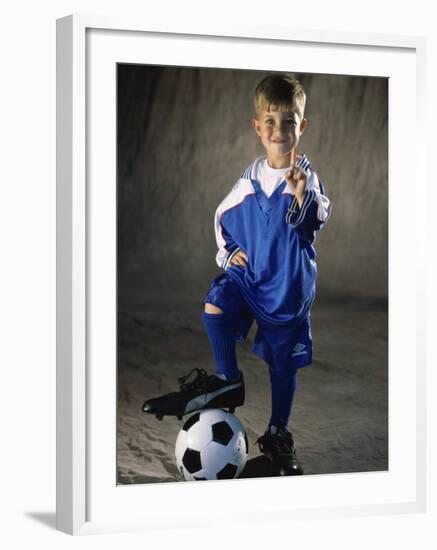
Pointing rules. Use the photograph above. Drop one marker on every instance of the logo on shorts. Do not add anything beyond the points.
(299, 349)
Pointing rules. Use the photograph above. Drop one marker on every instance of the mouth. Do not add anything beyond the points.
(279, 141)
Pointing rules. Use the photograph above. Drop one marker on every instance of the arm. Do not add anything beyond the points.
(229, 252)
(310, 210)
(227, 247)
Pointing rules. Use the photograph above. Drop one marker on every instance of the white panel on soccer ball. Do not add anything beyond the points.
(214, 458)
(239, 452)
(199, 476)
(181, 445)
(187, 475)
(193, 477)
(211, 416)
(199, 435)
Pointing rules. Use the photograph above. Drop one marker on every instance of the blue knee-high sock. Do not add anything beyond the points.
(283, 386)
(221, 334)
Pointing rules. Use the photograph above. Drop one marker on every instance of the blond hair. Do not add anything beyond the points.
(280, 92)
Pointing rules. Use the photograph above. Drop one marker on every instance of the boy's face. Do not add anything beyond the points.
(279, 132)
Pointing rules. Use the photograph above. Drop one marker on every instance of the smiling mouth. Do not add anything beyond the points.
(279, 141)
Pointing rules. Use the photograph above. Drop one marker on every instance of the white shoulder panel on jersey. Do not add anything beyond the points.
(236, 196)
(238, 193)
(242, 188)
(251, 170)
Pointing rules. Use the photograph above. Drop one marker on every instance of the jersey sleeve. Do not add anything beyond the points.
(314, 212)
(227, 244)
(227, 247)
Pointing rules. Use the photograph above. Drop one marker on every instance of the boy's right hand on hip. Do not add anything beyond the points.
(240, 259)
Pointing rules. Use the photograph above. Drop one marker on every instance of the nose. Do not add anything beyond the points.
(279, 134)
(280, 130)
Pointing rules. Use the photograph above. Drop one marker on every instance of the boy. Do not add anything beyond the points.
(264, 228)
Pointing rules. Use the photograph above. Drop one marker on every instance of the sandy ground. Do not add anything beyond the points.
(339, 418)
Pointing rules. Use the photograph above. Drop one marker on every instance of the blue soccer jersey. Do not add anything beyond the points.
(278, 282)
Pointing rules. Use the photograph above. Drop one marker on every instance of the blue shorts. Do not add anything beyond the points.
(280, 346)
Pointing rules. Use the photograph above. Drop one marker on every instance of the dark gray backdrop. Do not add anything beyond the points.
(184, 137)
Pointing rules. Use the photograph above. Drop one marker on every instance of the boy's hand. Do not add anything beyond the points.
(297, 180)
(240, 259)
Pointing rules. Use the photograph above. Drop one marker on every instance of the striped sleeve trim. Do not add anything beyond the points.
(293, 209)
(229, 258)
(246, 175)
(303, 163)
(294, 216)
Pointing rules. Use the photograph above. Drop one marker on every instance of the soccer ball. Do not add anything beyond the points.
(212, 444)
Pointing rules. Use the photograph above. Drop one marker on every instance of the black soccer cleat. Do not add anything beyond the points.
(203, 392)
(279, 448)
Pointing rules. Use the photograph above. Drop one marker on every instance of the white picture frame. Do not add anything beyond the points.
(88, 499)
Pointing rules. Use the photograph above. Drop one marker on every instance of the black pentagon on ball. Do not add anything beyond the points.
(222, 433)
(228, 472)
(247, 442)
(191, 461)
(191, 421)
